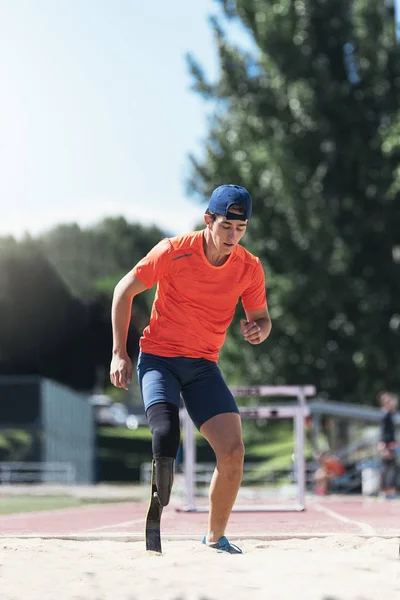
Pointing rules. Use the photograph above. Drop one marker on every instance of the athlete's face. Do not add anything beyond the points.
(225, 234)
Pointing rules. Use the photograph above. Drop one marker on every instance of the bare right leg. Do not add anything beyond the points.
(224, 434)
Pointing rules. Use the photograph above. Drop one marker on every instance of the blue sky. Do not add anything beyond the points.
(96, 113)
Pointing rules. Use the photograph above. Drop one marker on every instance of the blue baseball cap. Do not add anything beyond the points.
(224, 196)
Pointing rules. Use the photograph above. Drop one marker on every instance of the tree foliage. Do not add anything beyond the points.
(308, 121)
(92, 260)
(55, 301)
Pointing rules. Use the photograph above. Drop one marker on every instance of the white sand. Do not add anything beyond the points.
(336, 568)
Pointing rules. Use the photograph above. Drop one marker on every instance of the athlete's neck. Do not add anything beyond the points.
(212, 255)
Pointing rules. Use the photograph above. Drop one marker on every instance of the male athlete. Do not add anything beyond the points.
(200, 277)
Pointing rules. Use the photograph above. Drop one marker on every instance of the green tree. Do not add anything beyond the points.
(308, 121)
(55, 300)
(93, 260)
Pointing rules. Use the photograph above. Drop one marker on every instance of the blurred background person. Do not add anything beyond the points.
(387, 444)
(329, 467)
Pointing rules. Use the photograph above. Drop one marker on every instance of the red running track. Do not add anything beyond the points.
(323, 516)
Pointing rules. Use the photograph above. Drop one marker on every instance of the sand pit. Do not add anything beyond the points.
(334, 568)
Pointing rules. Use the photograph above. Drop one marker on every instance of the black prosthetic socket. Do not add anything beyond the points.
(164, 475)
(163, 418)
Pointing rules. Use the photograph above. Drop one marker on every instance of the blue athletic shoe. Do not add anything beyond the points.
(223, 545)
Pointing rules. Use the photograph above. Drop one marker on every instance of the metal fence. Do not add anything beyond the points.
(42, 472)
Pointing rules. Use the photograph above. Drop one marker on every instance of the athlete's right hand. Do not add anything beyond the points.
(121, 371)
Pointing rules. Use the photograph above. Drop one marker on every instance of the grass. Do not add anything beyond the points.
(274, 448)
(22, 504)
(141, 433)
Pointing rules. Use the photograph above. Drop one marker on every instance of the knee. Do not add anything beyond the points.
(163, 419)
(232, 456)
(165, 434)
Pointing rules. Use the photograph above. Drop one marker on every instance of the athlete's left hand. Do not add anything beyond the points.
(251, 331)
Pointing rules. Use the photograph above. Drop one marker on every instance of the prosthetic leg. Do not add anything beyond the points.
(162, 477)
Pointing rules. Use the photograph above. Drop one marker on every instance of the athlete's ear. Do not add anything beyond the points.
(208, 220)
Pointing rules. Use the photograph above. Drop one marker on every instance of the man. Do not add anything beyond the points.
(200, 277)
(387, 445)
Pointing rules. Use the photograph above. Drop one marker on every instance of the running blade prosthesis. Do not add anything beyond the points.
(153, 519)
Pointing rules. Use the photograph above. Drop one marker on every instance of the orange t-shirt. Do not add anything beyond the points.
(195, 301)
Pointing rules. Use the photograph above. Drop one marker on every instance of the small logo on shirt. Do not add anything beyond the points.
(182, 256)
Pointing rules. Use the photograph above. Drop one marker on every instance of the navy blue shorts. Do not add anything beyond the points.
(197, 380)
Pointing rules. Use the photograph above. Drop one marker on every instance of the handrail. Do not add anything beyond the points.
(39, 472)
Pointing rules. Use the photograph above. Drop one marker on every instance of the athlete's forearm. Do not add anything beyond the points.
(265, 326)
(120, 317)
